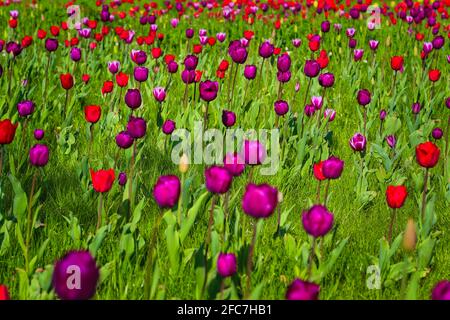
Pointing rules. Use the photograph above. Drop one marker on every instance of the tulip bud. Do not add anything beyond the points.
(184, 163)
(410, 237)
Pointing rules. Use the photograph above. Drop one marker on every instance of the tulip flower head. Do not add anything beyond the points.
(234, 163)
(166, 191)
(441, 291)
(159, 93)
(358, 142)
(133, 98)
(396, 196)
(92, 113)
(259, 201)
(427, 154)
(302, 290)
(102, 180)
(218, 179)
(332, 168)
(168, 127)
(226, 264)
(228, 118)
(39, 155)
(25, 108)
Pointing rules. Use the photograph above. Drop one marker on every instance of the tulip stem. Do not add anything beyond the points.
(229, 83)
(304, 103)
(260, 74)
(29, 222)
(393, 83)
(251, 249)
(91, 139)
(99, 211)
(327, 187)
(185, 95)
(222, 288)
(365, 120)
(205, 119)
(1, 161)
(130, 187)
(65, 103)
(424, 194)
(447, 134)
(149, 265)
(208, 240)
(180, 199)
(394, 213)
(234, 84)
(279, 220)
(318, 191)
(310, 259)
(225, 205)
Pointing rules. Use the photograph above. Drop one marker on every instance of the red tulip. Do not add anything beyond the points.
(7, 131)
(427, 154)
(54, 30)
(323, 60)
(396, 196)
(434, 75)
(66, 81)
(248, 34)
(74, 41)
(12, 23)
(27, 41)
(92, 113)
(197, 48)
(107, 87)
(41, 34)
(122, 79)
(169, 58)
(276, 51)
(4, 295)
(102, 180)
(317, 169)
(156, 53)
(85, 78)
(314, 45)
(397, 63)
(223, 66)
(211, 41)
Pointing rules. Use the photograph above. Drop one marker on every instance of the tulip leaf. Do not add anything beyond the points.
(20, 198)
(188, 222)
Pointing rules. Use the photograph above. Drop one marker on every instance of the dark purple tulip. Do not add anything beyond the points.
(441, 291)
(312, 68)
(226, 264)
(166, 191)
(14, 48)
(234, 163)
(332, 168)
(363, 97)
(188, 76)
(39, 155)
(358, 142)
(373, 44)
(259, 201)
(237, 52)
(51, 44)
(208, 90)
(139, 56)
(133, 98)
(190, 62)
(317, 221)
(75, 276)
(438, 42)
(39, 134)
(326, 80)
(143, 20)
(383, 115)
(302, 290)
(122, 179)
(437, 133)
(113, 66)
(25, 108)
(329, 114)
(217, 179)
(250, 72)
(124, 140)
(266, 49)
(1, 70)
(140, 74)
(172, 67)
(168, 126)
(283, 76)
(309, 110)
(151, 19)
(281, 107)
(391, 141)
(136, 127)
(254, 152)
(447, 102)
(189, 33)
(228, 118)
(104, 16)
(325, 26)
(354, 13)
(284, 62)
(75, 54)
(352, 43)
(415, 107)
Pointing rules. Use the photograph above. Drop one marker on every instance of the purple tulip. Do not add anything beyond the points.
(416, 107)
(136, 127)
(172, 67)
(309, 110)
(438, 42)
(124, 140)
(140, 74)
(296, 42)
(75, 276)
(51, 44)
(326, 80)
(218, 179)
(383, 114)
(259, 201)
(254, 152)
(168, 127)
(190, 62)
(113, 66)
(122, 179)
(441, 291)
(284, 63)
(266, 49)
(25, 108)
(75, 54)
(302, 290)
(447, 102)
(437, 133)
(234, 163)
(237, 52)
(325, 26)
(317, 221)
(332, 168)
(138, 56)
(250, 72)
(350, 32)
(391, 141)
(39, 134)
(133, 98)
(189, 33)
(352, 43)
(228, 118)
(284, 76)
(208, 90)
(166, 191)
(329, 114)
(39, 154)
(317, 102)
(363, 97)
(188, 76)
(373, 44)
(358, 54)
(174, 22)
(221, 36)
(312, 68)
(281, 107)
(358, 142)
(226, 264)
(159, 93)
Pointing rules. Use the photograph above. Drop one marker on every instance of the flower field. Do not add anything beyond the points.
(224, 150)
